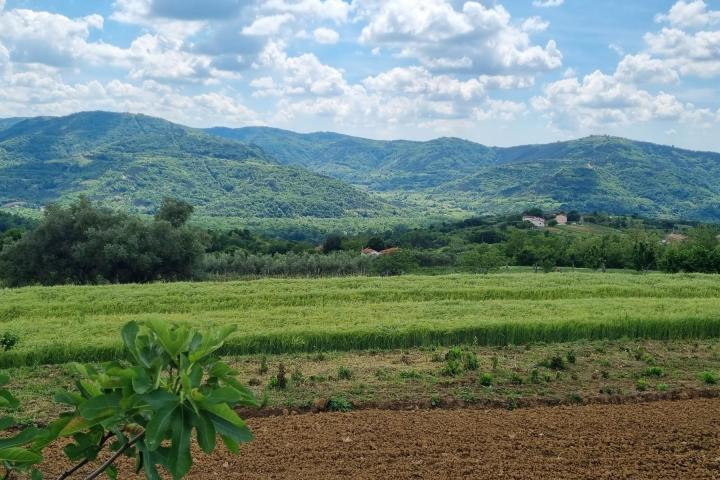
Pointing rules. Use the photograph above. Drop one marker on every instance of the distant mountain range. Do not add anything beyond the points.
(133, 161)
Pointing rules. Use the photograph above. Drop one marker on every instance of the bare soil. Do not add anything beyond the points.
(659, 440)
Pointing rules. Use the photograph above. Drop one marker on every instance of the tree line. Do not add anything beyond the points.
(87, 243)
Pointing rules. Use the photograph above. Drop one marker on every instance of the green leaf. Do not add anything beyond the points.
(103, 405)
(158, 399)
(231, 444)
(7, 400)
(6, 422)
(158, 426)
(179, 458)
(129, 333)
(19, 455)
(68, 398)
(36, 474)
(227, 429)
(225, 395)
(141, 382)
(223, 411)
(205, 432)
(4, 379)
(78, 424)
(111, 472)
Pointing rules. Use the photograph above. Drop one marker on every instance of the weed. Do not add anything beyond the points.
(555, 362)
(435, 401)
(654, 372)
(535, 376)
(467, 395)
(575, 397)
(254, 382)
(709, 378)
(470, 361)
(263, 365)
(571, 357)
(455, 353)
(410, 374)
(516, 379)
(344, 373)
(297, 377)
(486, 379)
(495, 362)
(641, 385)
(452, 368)
(661, 387)
(8, 341)
(339, 404)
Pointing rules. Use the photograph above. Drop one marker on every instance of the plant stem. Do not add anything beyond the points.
(97, 472)
(77, 467)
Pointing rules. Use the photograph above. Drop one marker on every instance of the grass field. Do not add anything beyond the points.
(61, 324)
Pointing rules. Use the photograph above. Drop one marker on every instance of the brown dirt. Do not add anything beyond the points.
(664, 439)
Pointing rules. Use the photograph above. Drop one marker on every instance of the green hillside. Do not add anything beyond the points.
(601, 173)
(133, 161)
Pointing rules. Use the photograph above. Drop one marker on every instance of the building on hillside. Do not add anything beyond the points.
(369, 252)
(539, 222)
(389, 251)
(561, 219)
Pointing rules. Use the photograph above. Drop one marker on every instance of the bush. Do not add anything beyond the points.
(571, 358)
(641, 385)
(709, 378)
(452, 368)
(554, 363)
(654, 372)
(344, 373)
(470, 361)
(339, 404)
(8, 341)
(486, 379)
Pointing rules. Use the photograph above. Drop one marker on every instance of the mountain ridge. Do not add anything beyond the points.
(133, 160)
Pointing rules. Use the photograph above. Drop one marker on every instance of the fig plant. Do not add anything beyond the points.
(146, 407)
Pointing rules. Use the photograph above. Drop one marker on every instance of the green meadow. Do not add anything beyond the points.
(81, 323)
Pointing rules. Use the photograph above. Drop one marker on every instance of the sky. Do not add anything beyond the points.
(503, 72)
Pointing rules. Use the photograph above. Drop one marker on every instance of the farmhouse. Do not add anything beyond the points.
(369, 252)
(539, 222)
(561, 219)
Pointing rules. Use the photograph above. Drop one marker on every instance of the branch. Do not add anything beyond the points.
(77, 467)
(96, 473)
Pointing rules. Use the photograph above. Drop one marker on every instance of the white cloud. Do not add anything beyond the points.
(547, 3)
(269, 25)
(693, 14)
(334, 10)
(689, 53)
(601, 100)
(642, 68)
(2, 4)
(475, 39)
(326, 36)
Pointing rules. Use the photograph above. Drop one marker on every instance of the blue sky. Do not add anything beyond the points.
(501, 72)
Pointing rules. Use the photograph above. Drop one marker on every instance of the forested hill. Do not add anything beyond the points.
(600, 173)
(133, 161)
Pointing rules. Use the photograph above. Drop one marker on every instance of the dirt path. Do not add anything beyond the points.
(666, 439)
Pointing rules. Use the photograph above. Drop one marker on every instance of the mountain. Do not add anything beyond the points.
(600, 173)
(9, 122)
(379, 165)
(133, 161)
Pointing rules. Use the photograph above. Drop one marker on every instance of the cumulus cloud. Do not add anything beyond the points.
(269, 25)
(693, 14)
(326, 36)
(600, 100)
(548, 3)
(475, 39)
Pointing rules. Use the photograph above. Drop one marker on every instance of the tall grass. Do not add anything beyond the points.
(60, 324)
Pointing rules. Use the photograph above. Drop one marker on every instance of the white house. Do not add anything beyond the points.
(539, 222)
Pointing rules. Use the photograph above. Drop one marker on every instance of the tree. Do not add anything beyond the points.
(376, 243)
(332, 243)
(83, 243)
(174, 211)
(644, 252)
(484, 259)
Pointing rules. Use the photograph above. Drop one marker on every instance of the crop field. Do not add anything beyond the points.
(74, 323)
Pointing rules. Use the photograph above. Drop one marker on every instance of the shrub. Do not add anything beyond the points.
(339, 404)
(344, 373)
(571, 358)
(263, 366)
(8, 341)
(452, 368)
(709, 378)
(455, 353)
(281, 378)
(486, 379)
(661, 387)
(641, 385)
(297, 377)
(554, 363)
(654, 372)
(470, 361)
